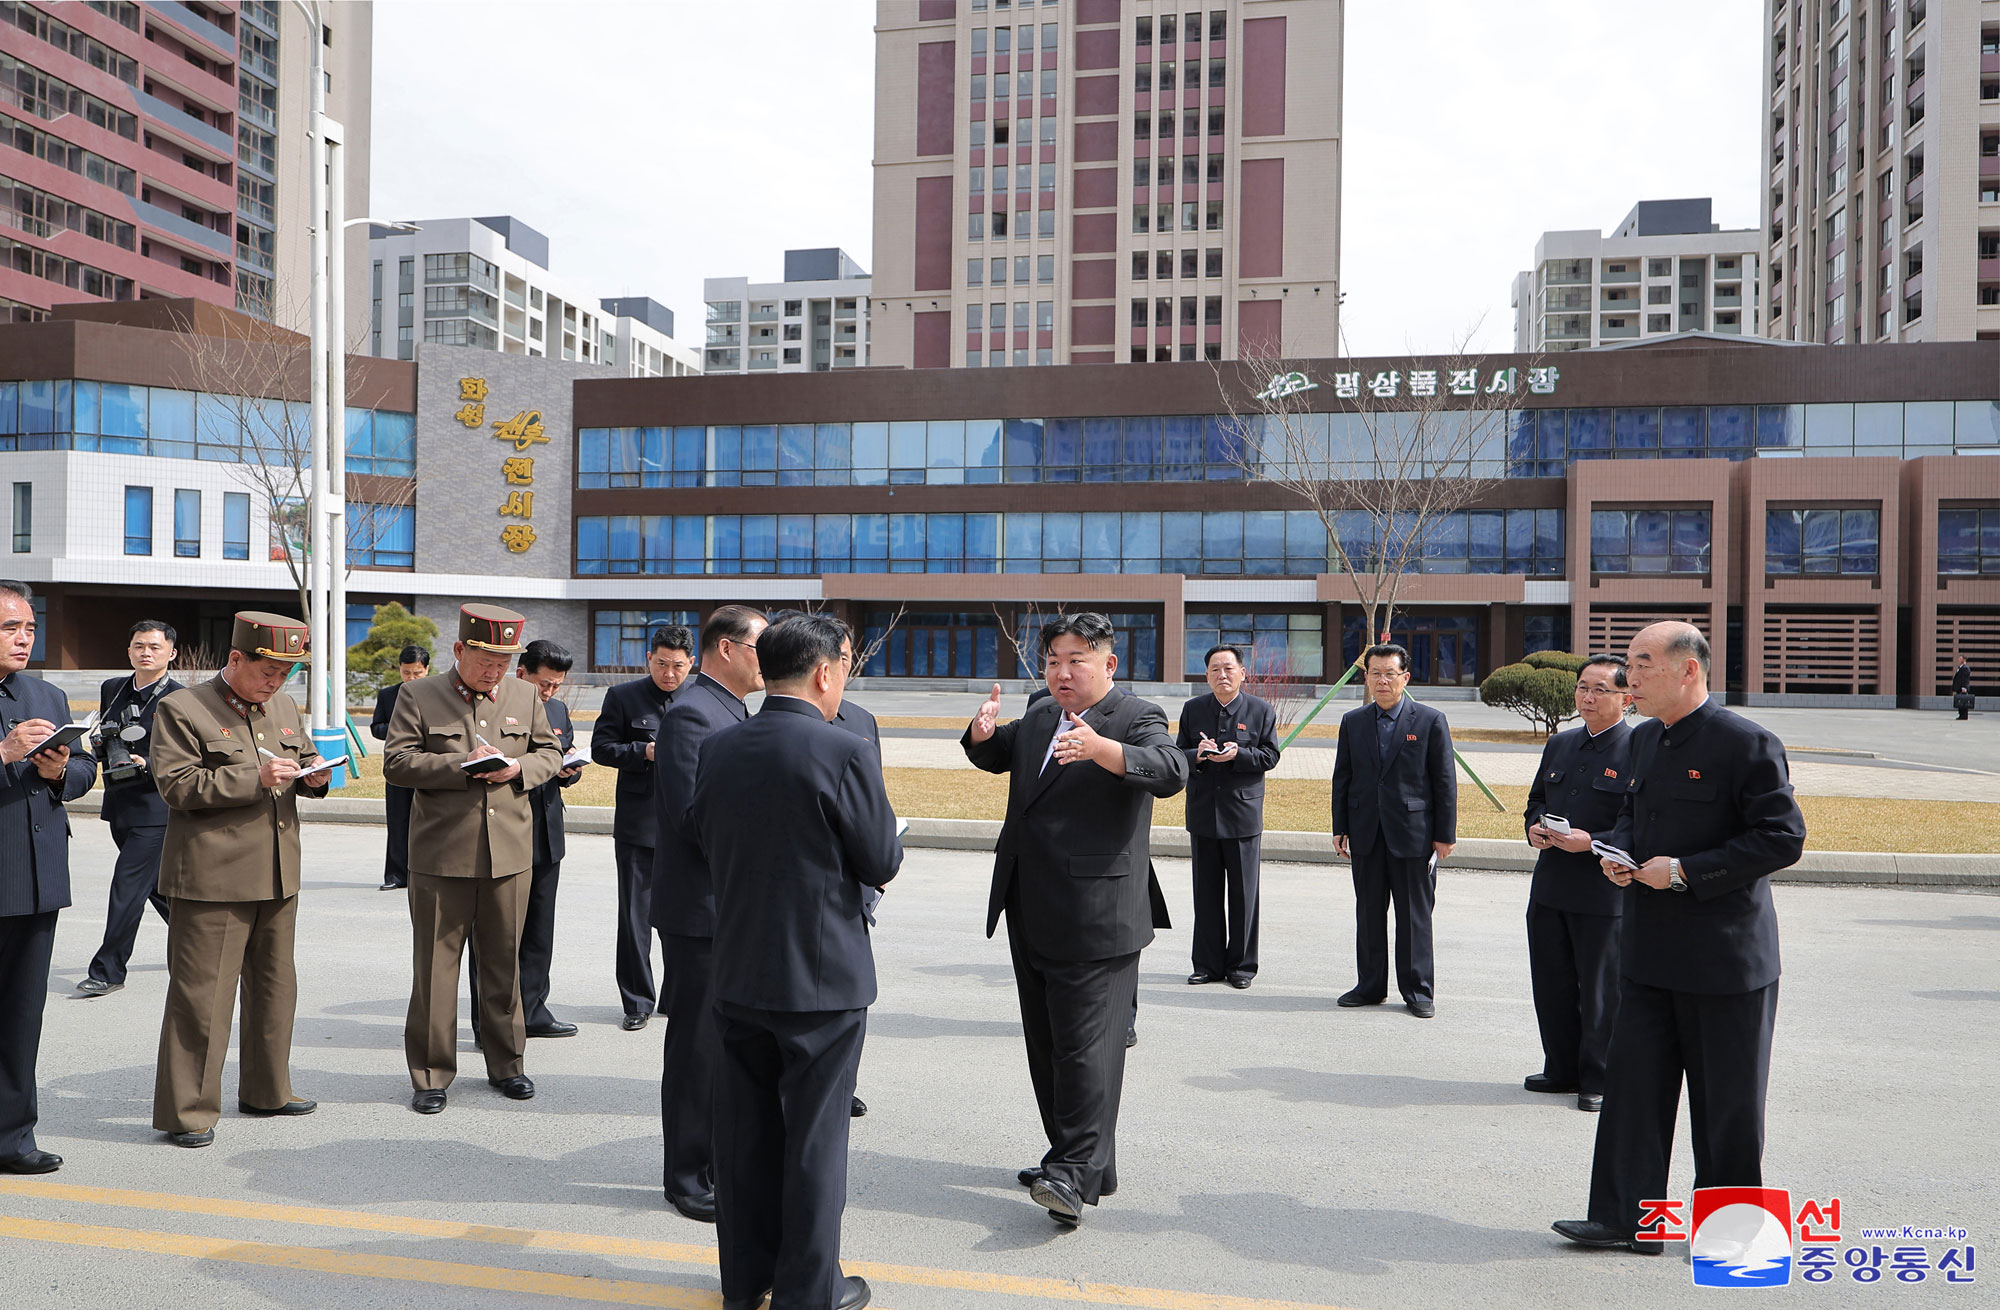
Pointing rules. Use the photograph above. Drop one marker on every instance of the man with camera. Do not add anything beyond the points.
(132, 804)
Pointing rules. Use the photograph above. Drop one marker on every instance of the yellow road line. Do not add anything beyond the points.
(532, 1239)
(308, 1259)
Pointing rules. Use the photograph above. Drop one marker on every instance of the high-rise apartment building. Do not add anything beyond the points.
(159, 151)
(485, 283)
(1105, 180)
(815, 321)
(1667, 268)
(1882, 162)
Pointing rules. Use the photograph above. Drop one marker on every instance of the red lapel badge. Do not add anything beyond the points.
(225, 732)
(513, 722)
(1611, 773)
(1409, 736)
(1243, 727)
(285, 731)
(1694, 775)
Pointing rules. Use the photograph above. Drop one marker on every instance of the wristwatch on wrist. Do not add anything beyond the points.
(1675, 882)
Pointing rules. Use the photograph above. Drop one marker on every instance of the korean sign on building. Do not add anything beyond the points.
(524, 431)
(1420, 383)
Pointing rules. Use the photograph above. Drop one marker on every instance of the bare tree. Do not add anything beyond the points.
(1027, 648)
(1384, 473)
(242, 371)
(871, 647)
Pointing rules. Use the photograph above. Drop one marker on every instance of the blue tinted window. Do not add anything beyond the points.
(760, 456)
(1141, 546)
(833, 537)
(1181, 439)
(593, 457)
(1062, 449)
(906, 543)
(1100, 450)
(1180, 542)
(1024, 543)
(795, 455)
(982, 543)
(138, 520)
(1024, 449)
(235, 525)
(1729, 427)
(593, 548)
(1101, 542)
(187, 523)
(1142, 449)
(871, 543)
(944, 451)
(725, 456)
(983, 441)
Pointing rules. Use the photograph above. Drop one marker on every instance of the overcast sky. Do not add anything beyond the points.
(658, 142)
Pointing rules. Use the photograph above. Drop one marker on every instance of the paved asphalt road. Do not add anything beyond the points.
(1273, 1149)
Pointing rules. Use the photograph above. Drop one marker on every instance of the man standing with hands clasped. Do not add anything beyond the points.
(472, 843)
(1231, 741)
(1395, 815)
(1572, 909)
(1708, 816)
(1073, 873)
(230, 757)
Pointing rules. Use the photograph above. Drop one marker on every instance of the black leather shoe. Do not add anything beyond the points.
(632, 1023)
(1238, 980)
(1421, 1006)
(700, 1208)
(1536, 1082)
(518, 1088)
(1059, 1199)
(1033, 1172)
(1354, 1000)
(1590, 1102)
(98, 987)
(393, 887)
(1200, 977)
(1585, 1232)
(744, 1302)
(1131, 1037)
(297, 1105)
(34, 1162)
(192, 1140)
(859, 1108)
(553, 1028)
(429, 1102)
(853, 1293)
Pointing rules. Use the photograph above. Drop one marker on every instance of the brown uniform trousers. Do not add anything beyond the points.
(230, 870)
(471, 846)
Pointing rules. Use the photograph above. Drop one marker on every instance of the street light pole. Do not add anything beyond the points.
(336, 424)
(317, 546)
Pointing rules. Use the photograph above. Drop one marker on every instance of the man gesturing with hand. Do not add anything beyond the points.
(1074, 876)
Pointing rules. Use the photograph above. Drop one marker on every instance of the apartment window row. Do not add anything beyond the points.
(1002, 6)
(50, 98)
(1164, 77)
(1839, 541)
(1650, 540)
(1191, 123)
(1022, 84)
(1000, 358)
(186, 523)
(1276, 646)
(122, 419)
(1161, 314)
(43, 214)
(1159, 264)
(1027, 177)
(123, 12)
(994, 316)
(1148, 170)
(1022, 131)
(70, 41)
(1044, 271)
(462, 266)
(63, 271)
(1043, 224)
(1969, 540)
(1003, 39)
(1180, 27)
(1193, 215)
(89, 165)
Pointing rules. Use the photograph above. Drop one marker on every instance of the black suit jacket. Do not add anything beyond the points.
(34, 827)
(1074, 844)
(135, 803)
(790, 815)
(626, 724)
(1961, 679)
(1408, 801)
(683, 893)
(1227, 800)
(385, 710)
(547, 800)
(1583, 779)
(1714, 791)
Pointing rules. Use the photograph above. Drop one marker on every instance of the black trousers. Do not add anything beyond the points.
(781, 1123)
(1225, 873)
(1073, 1019)
(688, 1070)
(634, 960)
(1723, 1046)
(1381, 879)
(135, 880)
(26, 943)
(538, 937)
(396, 855)
(1573, 963)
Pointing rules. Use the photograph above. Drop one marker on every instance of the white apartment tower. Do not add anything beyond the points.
(485, 283)
(1882, 169)
(1667, 268)
(814, 321)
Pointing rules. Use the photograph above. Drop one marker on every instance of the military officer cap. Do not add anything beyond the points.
(269, 636)
(488, 627)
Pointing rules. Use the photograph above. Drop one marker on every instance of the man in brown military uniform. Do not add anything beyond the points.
(472, 841)
(228, 758)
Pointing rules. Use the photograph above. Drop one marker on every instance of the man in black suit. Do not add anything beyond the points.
(412, 662)
(1573, 909)
(132, 804)
(1395, 815)
(1708, 816)
(683, 903)
(794, 974)
(1230, 739)
(861, 723)
(34, 868)
(622, 739)
(546, 665)
(1084, 766)
(1961, 688)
